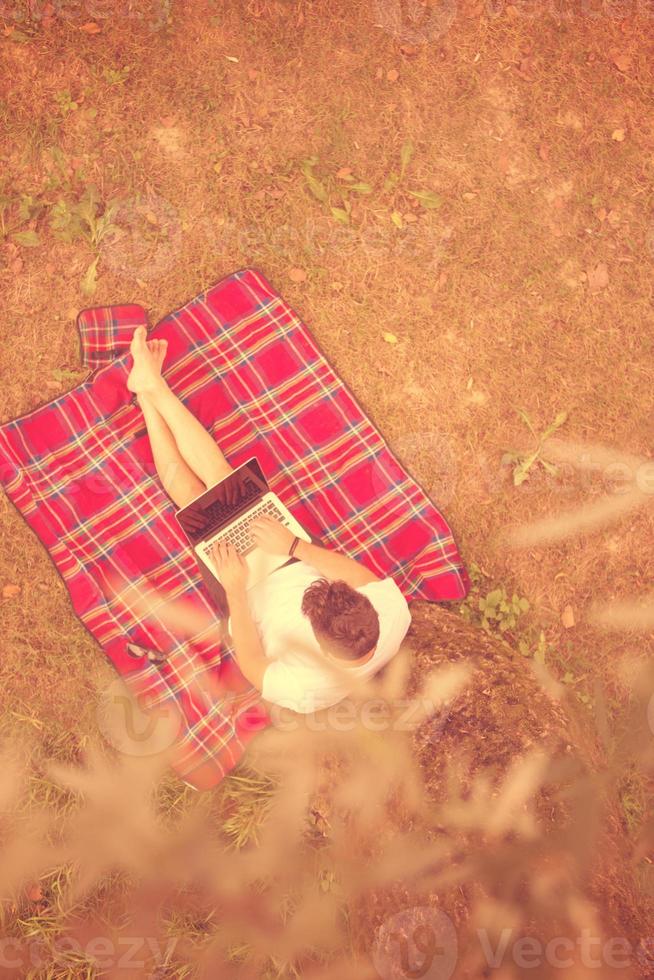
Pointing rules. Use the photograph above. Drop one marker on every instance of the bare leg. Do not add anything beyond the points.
(195, 445)
(178, 480)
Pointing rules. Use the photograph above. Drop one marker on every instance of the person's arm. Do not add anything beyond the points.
(232, 572)
(275, 538)
(250, 657)
(334, 565)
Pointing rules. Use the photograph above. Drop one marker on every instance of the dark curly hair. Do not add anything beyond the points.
(344, 620)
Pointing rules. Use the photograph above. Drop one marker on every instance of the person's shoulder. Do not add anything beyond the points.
(299, 569)
(386, 591)
(386, 584)
(296, 575)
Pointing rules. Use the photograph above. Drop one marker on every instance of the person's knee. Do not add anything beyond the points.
(183, 492)
(215, 472)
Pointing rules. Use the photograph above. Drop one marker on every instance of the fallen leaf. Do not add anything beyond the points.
(253, 74)
(568, 617)
(569, 273)
(89, 282)
(598, 278)
(230, 57)
(503, 161)
(34, 893)
(18, 36)
(337, 286)
(543, 151)
(167, 121)
(601, 214)
(27, 238)
(390, 338)
(392, 75)
(428, 199)
(16, 265)
(343, 173)
(613, 218)
(409, 49)
(618, 135)
(297, 275)
(571, 119)
(379, 73)
(621, 60)
(9, 591)
(91, 28)
(525, 69)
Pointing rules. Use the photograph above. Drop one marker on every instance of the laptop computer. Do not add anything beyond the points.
(224, 512)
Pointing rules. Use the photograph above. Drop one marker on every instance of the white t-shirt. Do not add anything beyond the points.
(300, 677)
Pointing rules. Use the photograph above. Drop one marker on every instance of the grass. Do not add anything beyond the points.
(487, 293)
(633, 800)
(247, 798)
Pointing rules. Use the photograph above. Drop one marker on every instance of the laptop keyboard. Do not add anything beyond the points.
(239, 533)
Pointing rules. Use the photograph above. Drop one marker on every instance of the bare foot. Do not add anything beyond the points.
(148, 357)
(158, 350)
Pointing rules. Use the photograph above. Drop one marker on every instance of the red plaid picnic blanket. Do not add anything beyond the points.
(80, 471)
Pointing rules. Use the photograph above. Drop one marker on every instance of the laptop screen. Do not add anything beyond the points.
(221, 504)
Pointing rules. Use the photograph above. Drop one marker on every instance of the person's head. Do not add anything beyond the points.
(344, 621)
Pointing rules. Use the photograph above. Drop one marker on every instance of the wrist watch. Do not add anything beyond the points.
(296, 542)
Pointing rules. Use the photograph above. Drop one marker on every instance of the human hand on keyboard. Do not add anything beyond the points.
(231, 567)
(271, 535)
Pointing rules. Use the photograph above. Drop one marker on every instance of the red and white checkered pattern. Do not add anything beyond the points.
(81, 472)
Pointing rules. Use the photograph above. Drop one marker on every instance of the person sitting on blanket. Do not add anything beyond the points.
(305, 633)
